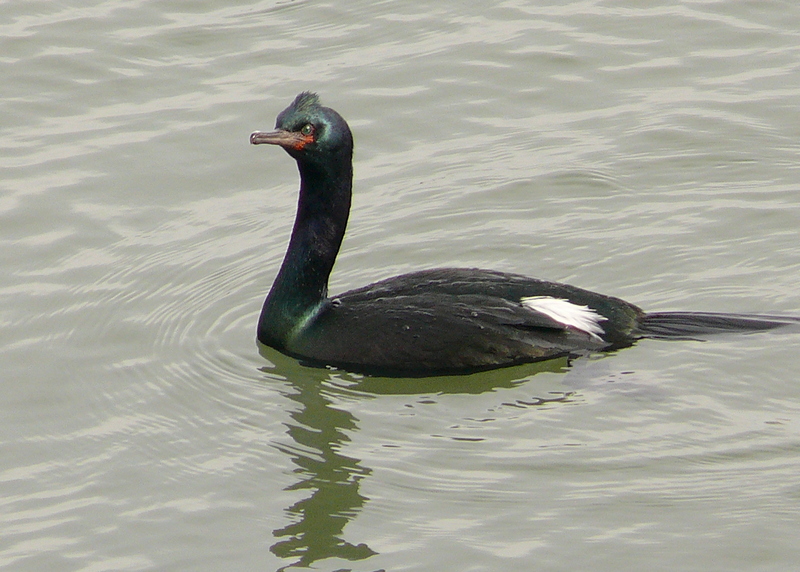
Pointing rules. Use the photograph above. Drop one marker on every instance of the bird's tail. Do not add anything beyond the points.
(699, 325)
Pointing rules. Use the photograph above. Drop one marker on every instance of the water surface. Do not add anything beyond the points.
(643, 150)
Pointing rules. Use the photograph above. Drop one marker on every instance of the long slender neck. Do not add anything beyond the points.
(302, 282)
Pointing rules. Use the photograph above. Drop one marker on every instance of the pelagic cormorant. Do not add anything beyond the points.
(441, 321)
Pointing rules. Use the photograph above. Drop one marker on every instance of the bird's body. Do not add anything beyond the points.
(447, 320)
(453, 319)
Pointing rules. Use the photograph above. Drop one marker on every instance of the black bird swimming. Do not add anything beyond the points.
(441, 321)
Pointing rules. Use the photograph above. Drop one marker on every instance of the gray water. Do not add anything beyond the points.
(647, 150)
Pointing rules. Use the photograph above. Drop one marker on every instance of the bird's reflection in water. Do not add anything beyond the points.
(319, 432)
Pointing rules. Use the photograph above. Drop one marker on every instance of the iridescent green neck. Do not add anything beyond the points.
(302, 282)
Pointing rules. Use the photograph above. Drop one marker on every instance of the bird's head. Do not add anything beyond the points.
(309, 132)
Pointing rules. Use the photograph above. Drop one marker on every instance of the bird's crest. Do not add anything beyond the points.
(305, 100)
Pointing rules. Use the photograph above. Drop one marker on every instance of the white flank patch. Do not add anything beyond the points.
(571, 315)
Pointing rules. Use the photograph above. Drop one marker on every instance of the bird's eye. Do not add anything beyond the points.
(307, 129)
